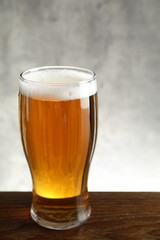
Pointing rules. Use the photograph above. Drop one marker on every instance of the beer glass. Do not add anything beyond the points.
(58, 124)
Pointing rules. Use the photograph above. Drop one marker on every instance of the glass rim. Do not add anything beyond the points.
(58, 68)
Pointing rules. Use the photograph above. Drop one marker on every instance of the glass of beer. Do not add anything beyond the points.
(58, 124)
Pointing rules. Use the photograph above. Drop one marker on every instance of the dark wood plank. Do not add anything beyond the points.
(115, 216)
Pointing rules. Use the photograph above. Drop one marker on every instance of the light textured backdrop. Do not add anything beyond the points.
(120, 41)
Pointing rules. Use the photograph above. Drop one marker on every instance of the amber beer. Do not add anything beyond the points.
(58, 122)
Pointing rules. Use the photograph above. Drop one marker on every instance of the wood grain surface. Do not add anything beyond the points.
(115, 216)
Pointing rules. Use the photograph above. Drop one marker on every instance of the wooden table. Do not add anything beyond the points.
(115, 216)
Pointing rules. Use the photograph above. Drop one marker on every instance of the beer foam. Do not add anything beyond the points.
(58, 83)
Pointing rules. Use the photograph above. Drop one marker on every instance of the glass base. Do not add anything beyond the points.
(61, 225)
(60, 214)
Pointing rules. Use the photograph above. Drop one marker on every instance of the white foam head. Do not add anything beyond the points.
(65, 83)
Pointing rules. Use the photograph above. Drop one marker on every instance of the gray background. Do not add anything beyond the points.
(120, 41)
